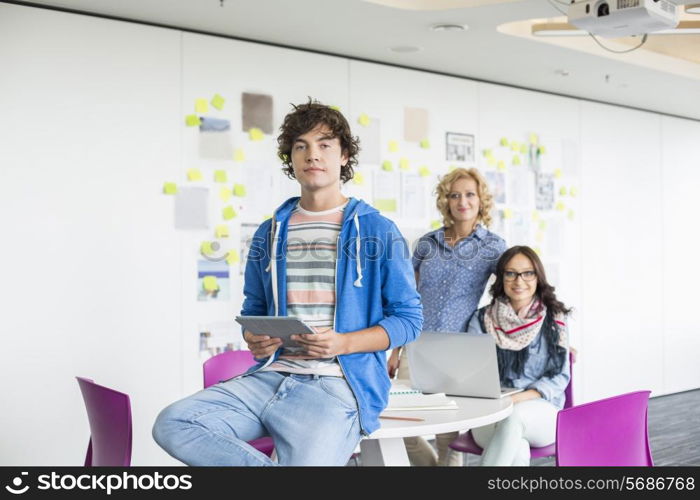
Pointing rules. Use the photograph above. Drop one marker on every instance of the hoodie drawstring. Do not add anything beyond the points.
(272, 267)
(358, 281)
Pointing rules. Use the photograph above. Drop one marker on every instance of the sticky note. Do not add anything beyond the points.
(225, 193)
(535, 215)
(232, 257)
(424, 171)
(558, 173)
(387, 166)
(436, 224)
(542, 225)
(451, 168)
(169, 188)
(425, 144)
(538, 250)
(206, 248)
(562, 191)
(220, 176)
(336, 108)
(516, 160)
(534, 139)
(192, 121)
(573, 191)
(560, 206)
(193, 174)
(507, 213)
(229, 213)
(210, 284)
(404, 164)
(523, 148)
(201, 106)
(486, 153)
(501, 165)
(267, 216)
(504, 141)
(570, 215)
(541, 150)
(238, 155)
(515, 146)
(239, 190)
(491, 161)
(364, 120)
(222, 231)
(393, 146)
(539, 237)
(359, 179)
(256, 134)
(218, 102)
(388, 205)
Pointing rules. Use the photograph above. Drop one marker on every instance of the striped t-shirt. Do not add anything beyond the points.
(312, 240)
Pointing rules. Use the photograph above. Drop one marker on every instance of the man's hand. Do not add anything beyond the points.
(322, 344)
(262, 346)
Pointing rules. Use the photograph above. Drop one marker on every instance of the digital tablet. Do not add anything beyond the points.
(275, 326)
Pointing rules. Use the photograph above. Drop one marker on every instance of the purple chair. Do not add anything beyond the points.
(609, 432)
(466, 443)
(109, 414)
(227, 365)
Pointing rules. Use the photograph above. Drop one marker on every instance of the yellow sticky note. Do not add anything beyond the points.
(192, 121)
(404, 164)
(232, 257)
(507, 213)
(539, 237)
(169, 188)
(218, 102)
(573, 191)
(558, 173)
(229, 213)
(388, 205)
(501, 165)
(541, 150)
(562, 191)
(523, 148)
(534, 139)
(194, 174)
(451, 168)
(387, 166)
(267, 216)
(491, 161)
(359, 179)
(538, 250)
(206, 248)
(239, 190)
(210, 284)
(238, 155)
(336, 108)
(220, 176)
(222, 231)
(256, 134)
(571, 214)
(543, 225)
(486, 153)
(560, 206)
(201, 106)
(436, 224)
(504, 141)
(225, 193)
(535, 215)
(425, 144)
(516, 160)
(515, 146)
(393, 146)
(364, 120)
(424, 171)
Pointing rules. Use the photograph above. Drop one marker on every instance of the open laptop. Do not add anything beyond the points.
(458, 364)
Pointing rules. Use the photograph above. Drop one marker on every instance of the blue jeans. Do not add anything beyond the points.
(312, 419)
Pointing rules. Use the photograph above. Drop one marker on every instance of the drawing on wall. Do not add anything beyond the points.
(215, 141)
(212, 281)
(257, 112)
(497, 185)
(544, 191)
(459, 147)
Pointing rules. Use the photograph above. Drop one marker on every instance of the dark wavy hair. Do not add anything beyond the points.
(550, 330)
(306, 117)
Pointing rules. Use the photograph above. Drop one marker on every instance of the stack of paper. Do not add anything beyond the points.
(412, 402)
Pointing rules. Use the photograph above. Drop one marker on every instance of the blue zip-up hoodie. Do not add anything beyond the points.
(374, 283)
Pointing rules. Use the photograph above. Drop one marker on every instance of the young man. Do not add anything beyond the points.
(340, 266)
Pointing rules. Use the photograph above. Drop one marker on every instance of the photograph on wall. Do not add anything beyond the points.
(497, 185)
(212, 281)
(257, 112)
(544, 191)
(459, 147)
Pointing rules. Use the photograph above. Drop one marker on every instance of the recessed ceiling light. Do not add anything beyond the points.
(449, 27)
(561, 72)
(405, 49)
(693, 9)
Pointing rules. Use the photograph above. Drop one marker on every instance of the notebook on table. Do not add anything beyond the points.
(458, 364)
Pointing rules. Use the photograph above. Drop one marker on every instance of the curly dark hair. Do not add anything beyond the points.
(304, 118)
(544, 291)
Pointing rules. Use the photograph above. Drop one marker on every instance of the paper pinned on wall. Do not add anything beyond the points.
(386, 191)
(497, 185)
(194, 175)
(212, 280)
(192, 121)
(415, 124)
(370, 143)
(215, 145)
(257, 112)
(218, 102)
(192, 208)
(412, 196)
(169, 188)
(544, 191)
(519, 226)
(521, 189)
(201, 106)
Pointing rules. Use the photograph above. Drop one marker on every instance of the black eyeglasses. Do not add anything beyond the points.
(525, 275)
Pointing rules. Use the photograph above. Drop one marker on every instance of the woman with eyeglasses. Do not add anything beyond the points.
(452, 265)
(528, 323)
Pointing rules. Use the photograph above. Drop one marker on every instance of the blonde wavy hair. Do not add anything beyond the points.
(482, 189)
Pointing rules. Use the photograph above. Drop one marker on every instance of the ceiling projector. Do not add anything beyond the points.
(617, 18)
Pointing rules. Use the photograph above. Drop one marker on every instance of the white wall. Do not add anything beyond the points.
(97, 283)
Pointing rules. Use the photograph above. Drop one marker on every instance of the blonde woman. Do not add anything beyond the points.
(452, 265)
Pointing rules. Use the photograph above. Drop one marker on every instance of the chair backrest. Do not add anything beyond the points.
(109, 414)
(569, 391)
(226, 365)
(609, 432)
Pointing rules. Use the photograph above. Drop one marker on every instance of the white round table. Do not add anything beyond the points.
(385, 445)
